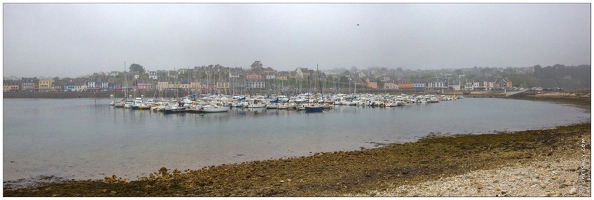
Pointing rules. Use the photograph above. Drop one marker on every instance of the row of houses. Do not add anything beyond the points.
(439, 84)
(250, 81)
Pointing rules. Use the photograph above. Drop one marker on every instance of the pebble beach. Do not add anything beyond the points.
(557, 177)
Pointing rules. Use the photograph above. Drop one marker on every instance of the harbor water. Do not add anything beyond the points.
(88, 139)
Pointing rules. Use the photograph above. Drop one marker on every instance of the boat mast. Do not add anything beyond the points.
(316, 84)
(125, 83)
(188, 73)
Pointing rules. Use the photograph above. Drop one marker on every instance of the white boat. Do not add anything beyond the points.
(272, 106)
(300, 107)
(349, 103)
(283, 106)
(395, 103)
(214, 109)
(255, 103)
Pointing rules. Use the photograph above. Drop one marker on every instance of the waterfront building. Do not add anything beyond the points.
(405, 83)
(371, 83)
(45, 85)
(153, 75)
(29, 84)
(504, 83)
(419, 85)
(144, 84)
(254, 81)
(162, 85)
(390, 86)
(58, 85)
(11, 86)
(222, 85)
(436, 84)
(302, 73)
(282, 76)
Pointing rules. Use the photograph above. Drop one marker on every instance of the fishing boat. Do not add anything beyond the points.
(137, 104)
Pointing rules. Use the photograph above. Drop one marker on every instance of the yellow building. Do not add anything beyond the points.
(46, 84)
(162, 85)
(223, 85)
(11, 86)
(281, 77)
(195, 85)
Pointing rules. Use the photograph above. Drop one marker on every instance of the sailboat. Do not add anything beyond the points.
(315, 106)
(124, 101)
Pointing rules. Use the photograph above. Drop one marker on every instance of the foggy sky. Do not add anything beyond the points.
(70, 40)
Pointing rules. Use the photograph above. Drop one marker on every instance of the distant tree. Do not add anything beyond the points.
(354, 69)
(143, 75)
(426, 76)
(486, 69)
(399, 69)
(537, 70)
(346, 73)
(380, 84)
(137, 68)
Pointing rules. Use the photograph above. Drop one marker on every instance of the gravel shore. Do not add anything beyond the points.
(553, 177)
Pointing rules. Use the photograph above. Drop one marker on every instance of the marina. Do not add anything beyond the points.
(92, 139)
(308, 102)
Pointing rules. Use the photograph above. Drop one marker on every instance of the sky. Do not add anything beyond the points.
(70, 40)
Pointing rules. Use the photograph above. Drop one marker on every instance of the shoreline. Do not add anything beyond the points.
(369, 172)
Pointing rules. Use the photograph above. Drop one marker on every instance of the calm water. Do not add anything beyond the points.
(87, 139)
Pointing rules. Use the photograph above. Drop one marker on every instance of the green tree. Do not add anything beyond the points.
(136, 68)
(537, 70)
(380, 84)
(426, 76)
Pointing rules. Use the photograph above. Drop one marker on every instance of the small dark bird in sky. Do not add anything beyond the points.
(357, 24)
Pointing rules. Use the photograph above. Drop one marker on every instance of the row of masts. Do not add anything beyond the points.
(318, 87)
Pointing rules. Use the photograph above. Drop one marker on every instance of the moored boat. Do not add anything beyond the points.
(214, 109)
(313, 108)
(174, 109)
